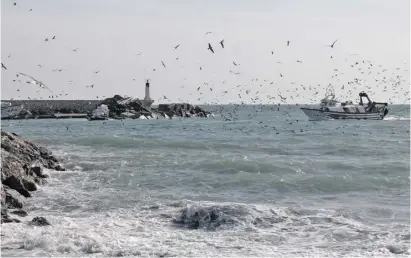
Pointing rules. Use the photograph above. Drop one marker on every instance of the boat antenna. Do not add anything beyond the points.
(329, 92)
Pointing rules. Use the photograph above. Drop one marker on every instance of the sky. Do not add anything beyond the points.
(109, 35)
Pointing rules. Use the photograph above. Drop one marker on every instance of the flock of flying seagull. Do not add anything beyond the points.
(381, 78)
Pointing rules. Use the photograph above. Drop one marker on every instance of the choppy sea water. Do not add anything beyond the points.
(263, 185)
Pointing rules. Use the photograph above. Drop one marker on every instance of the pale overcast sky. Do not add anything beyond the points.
(110, 34)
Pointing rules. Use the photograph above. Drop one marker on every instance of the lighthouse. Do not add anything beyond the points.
(147, 100)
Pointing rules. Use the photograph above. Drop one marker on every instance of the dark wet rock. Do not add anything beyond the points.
(395, 249)
(4, 214)
(21, 213)
(22, 169)
(38, 170)
(10, 220)
(12, 198)
(208, 217)
(40, 221)
(15, 183)
(29, 184)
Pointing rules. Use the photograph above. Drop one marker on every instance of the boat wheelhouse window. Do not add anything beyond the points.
(326, 109)
(346, 110)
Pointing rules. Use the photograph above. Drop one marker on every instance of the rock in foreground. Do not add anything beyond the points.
(22, 170)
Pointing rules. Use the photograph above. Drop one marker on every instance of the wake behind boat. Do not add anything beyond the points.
(330, 108)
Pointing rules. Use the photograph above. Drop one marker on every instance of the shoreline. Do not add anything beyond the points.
(23, 165)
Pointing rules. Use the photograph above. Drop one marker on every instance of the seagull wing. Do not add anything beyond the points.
(29, 76)
(37, 81)
(42, 84)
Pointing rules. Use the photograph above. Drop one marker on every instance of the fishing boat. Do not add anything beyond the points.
(330, 108)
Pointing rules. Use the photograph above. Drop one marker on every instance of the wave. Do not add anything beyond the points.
(199, 228)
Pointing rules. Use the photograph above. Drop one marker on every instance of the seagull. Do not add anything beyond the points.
(15, 4)
(2, 66)
(282, 98)
(163, 64)
(140, 53)
(37, 82)
(288, 43)
(222, 43)
(96, 72)
(299, 61)
(176, 46)
(58, 70)
(47, 39)
(235, 63)
(210, 48)
(75, 50)
(272, 52)
(30, 10)
(332, 45)
(90, 86)
(39, 65)
(54, 37)
(208, 32)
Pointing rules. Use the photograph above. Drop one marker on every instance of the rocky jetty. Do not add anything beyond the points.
(118, 107)
(127, 107)
(23, 165)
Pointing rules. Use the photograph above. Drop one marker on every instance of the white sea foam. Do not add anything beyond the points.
(239, 229)
(391, 118)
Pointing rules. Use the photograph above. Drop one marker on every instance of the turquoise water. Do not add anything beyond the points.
(269, 183)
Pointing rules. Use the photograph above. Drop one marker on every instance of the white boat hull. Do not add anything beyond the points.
(317, 114)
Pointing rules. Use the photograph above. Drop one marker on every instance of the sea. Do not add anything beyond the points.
(252, 181)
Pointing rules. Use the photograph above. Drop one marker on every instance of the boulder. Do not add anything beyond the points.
(21, 213)
(40, 221)
(12, 198)
(9, 220)
(16, 183)
(29, 184)
(38, 170)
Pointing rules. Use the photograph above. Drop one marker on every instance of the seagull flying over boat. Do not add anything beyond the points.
(37, 82)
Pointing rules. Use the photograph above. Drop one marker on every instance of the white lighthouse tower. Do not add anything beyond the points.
(147, 102)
